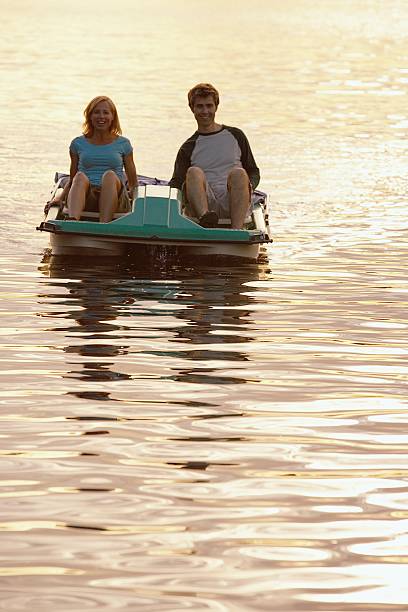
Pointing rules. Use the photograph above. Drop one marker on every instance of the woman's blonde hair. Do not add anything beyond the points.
(87, 126)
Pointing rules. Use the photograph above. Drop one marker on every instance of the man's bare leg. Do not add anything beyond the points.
(77, 195)
(240, 195)
(109, 198)
(196, 191)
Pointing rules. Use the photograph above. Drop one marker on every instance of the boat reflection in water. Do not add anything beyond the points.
(120, 318)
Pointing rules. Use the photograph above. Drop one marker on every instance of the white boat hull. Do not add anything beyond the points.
(71, 244)
(74, 245)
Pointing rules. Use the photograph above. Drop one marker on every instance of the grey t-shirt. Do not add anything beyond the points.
(216, 153)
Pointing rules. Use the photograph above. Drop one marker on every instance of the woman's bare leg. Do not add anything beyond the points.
(77, 195)
(109, 198)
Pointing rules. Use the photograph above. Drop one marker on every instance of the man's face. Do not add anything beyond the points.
(204, 110)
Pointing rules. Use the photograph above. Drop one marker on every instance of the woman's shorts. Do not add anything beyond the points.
(92, 200)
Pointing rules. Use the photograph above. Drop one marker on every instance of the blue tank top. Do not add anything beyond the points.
(95, 160)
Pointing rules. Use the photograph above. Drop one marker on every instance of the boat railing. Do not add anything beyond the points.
(156, 204)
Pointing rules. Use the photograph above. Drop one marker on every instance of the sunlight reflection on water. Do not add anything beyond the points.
(204, 437)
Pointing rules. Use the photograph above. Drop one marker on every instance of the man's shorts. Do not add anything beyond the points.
(92, 200)
(218, 200)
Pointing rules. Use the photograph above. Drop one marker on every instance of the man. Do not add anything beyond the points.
(215, 167)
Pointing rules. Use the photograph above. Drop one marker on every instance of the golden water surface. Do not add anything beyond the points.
(202, 437)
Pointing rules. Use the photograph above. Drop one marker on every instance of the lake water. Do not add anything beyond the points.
(204, 437)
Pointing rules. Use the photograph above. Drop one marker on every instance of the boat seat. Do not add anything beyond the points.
(88, 215)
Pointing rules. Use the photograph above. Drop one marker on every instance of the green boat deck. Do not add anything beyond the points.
(157, 218)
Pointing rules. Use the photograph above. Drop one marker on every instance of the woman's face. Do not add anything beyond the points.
(102, 117)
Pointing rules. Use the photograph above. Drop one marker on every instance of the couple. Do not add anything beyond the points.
(214, 168)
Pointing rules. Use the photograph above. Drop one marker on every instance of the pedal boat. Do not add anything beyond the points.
(156, 220)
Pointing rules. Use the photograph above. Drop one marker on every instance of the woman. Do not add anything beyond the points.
(101, 162)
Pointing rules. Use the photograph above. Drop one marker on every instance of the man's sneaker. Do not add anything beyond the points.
(209, 219)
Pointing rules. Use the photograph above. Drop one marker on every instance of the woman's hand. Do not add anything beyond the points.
(54, 202)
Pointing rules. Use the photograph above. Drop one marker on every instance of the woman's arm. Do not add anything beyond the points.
(61, 197)
(74, 165)
(131, 174)
(73, 169)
